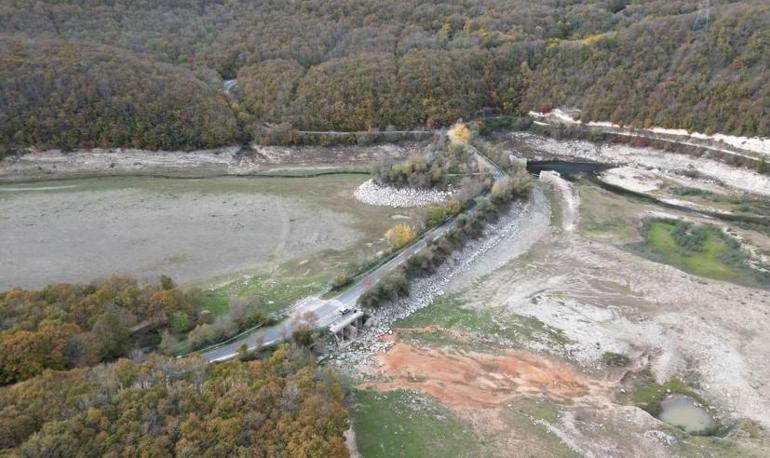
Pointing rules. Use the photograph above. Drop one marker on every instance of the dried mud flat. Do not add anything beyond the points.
(192, 230)
(80, 236)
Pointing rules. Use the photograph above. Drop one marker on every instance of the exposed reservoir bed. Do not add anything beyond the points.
(192, 229)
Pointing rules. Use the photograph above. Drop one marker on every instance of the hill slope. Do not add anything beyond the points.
(367, 64)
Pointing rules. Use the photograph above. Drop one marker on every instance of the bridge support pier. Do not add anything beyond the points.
(346, 328)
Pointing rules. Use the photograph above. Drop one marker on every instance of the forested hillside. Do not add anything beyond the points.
(661, 73)
(63, 326)
(282, 406)
(149, 73)
(54, 94)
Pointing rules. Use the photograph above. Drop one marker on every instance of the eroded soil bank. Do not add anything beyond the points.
(474, 379)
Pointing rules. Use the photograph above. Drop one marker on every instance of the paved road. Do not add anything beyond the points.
(322, 312)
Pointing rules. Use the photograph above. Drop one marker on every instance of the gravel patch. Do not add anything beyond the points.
(632, 178)
(386, 196)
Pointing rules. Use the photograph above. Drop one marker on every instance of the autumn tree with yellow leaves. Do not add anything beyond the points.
(400, 235)
(460, 133)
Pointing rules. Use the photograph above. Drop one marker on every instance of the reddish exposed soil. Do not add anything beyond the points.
(470, 379)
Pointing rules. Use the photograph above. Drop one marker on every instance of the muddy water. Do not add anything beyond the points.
(683, 412)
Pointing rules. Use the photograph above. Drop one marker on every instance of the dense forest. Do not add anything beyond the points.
(281, 406)
(65, 326)
(62, 95)
(149, 73)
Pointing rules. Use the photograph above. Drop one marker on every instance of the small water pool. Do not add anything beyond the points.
(683, 412)
(566, 168)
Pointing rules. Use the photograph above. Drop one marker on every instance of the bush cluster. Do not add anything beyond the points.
(443, 163)
(390, 288)
(240, 318)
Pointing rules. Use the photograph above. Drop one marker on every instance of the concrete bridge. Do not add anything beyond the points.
(346, 327)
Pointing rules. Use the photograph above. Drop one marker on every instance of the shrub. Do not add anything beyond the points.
(688, 237)
(389, 288)
(342, 279)
(240, 318)
(438, 215)
(303, 336)
(425, 262)
(167, 282)
(180, 322)
(485, 209)
(615, 359)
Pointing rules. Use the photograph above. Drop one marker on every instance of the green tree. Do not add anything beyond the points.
(113, 333)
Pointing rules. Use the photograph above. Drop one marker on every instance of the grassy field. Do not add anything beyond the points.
(273, 292)
(491, 327)
(402, 423)
(701, 250)
(607, 216)
(706, 261)
(615, 218)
